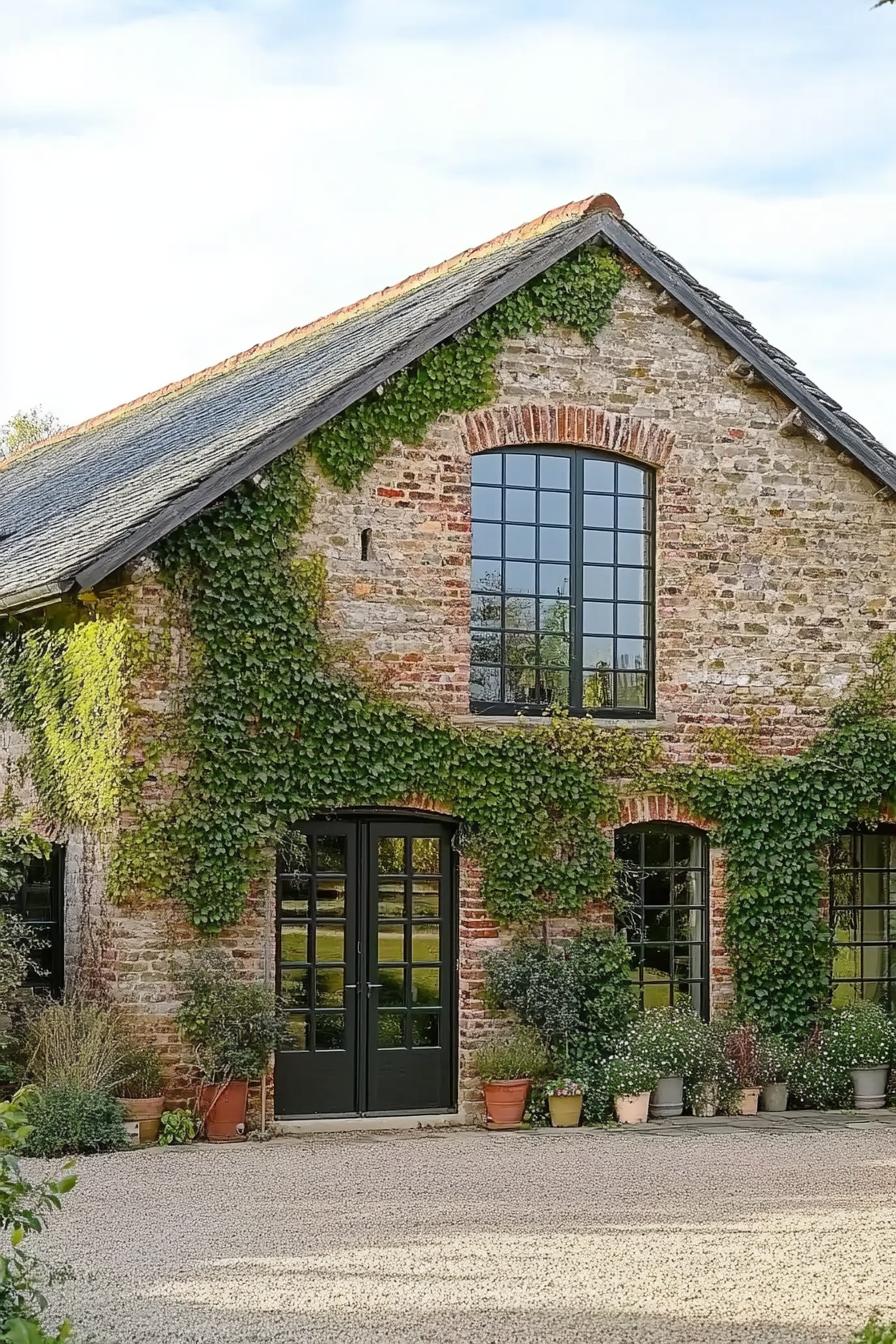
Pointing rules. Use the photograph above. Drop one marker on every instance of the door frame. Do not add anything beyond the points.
(363, 818)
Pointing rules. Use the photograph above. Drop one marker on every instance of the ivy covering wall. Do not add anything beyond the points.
(273, 731)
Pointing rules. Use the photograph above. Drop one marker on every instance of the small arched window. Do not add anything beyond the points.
(663, 886)
(562, 583)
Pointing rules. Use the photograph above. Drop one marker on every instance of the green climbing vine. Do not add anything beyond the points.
(273, 731)
(66, 689)
(775, 819)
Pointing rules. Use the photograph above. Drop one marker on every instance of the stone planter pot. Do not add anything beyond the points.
(706, 1101)
(505, 1102)
(748, 1104)
(632, 1110)
(774, 1097)
(566, 1112)
(147, 1112)
(667, 1099)
(869, 1088)
(222, 1108)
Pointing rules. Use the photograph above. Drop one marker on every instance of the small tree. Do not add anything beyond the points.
(26, 427)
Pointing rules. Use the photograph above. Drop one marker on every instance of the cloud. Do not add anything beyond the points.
(182, 180)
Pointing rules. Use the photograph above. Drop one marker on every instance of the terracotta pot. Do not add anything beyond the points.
(147, 1111)
(632, 1110)
(222, 1109)
(748, 1103)
(775, 1097)
(566, 1112)
(505, 1102)
(667, 1098)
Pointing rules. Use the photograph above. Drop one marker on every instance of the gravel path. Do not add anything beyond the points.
(445, 1236)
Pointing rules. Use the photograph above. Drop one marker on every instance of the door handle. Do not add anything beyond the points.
(372, 985)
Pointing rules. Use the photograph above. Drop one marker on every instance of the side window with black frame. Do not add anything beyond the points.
(562, 583)
(863, 917)
(40, 903)
(663, 886)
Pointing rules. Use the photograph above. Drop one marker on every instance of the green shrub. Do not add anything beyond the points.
(819, 1079)
(77, 1044)
(232, 1025)
(143, 1073)
(776, 1059)
(24, 1205)
(520, 1055)
(860, 1036)
(177, 1126)
(71, 1119)
(577, 994)
(875, 1332)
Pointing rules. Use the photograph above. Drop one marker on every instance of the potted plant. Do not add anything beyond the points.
(708, 1075)
(741, 1046)
(507, 1067)
(664, 1040)
(565, 1099)
(630, 1082)
(233, 1026)
(140, 1092)
(861, 1038)
(776, 1063)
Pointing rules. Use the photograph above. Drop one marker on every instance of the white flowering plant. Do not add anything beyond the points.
(861, 1036)
(670, 1042)
(564, 1087)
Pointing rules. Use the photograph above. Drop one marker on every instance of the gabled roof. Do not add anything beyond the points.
(76, 506)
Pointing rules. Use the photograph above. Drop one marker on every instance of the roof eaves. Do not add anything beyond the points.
(776, 371)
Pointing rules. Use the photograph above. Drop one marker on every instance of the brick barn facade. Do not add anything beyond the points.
(775, 548)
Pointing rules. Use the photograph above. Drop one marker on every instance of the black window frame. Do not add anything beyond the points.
(577, 458)
(850, 875)
(631, 915)
(45, 879)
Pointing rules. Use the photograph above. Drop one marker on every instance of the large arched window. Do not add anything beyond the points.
(663, 887)
(562, 583)
(863, 916)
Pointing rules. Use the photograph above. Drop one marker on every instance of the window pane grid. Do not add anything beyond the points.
(562, 582)
(863, 916)
(663, 884)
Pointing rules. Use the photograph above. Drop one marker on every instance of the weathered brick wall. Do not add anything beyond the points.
(775, 558)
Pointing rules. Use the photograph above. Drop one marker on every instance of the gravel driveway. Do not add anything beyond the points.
(443, 1236)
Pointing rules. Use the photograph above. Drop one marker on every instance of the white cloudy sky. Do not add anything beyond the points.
(180, 179)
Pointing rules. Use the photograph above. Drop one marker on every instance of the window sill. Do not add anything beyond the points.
(539, 720)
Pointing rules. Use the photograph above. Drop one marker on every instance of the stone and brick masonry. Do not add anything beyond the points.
(775, 557)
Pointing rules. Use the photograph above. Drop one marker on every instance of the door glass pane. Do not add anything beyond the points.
(296, 1033)
(294, 942)
(390, 1031)
(390, 854)
(331, 897)
(330, 983)
(329, 1031)
(599, 474)
(391, 979)
(425, 854)
(330, 853)
(425, 985)
(392, 898)
(425, 1029)
(486, 468)
(520, 506)
(295, 893)
(519, 469)
(425, 942)
(329, 941)
(390, 942)
(425, 897)
(294, 986)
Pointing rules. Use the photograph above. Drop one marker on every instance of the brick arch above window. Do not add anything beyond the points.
(658, 807)
(568, 423)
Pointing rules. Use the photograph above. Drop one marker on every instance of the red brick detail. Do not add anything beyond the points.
(422, 802)
(658, 807)
(585, 426)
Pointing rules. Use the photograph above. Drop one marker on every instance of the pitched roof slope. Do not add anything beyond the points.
(77, 505)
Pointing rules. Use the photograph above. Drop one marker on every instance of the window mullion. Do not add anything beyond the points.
(576, 613)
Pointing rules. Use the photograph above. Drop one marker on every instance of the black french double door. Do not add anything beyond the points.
(366, 968)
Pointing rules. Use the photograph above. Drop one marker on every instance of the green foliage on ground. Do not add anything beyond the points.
(68, 1119)
(24, 1206)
